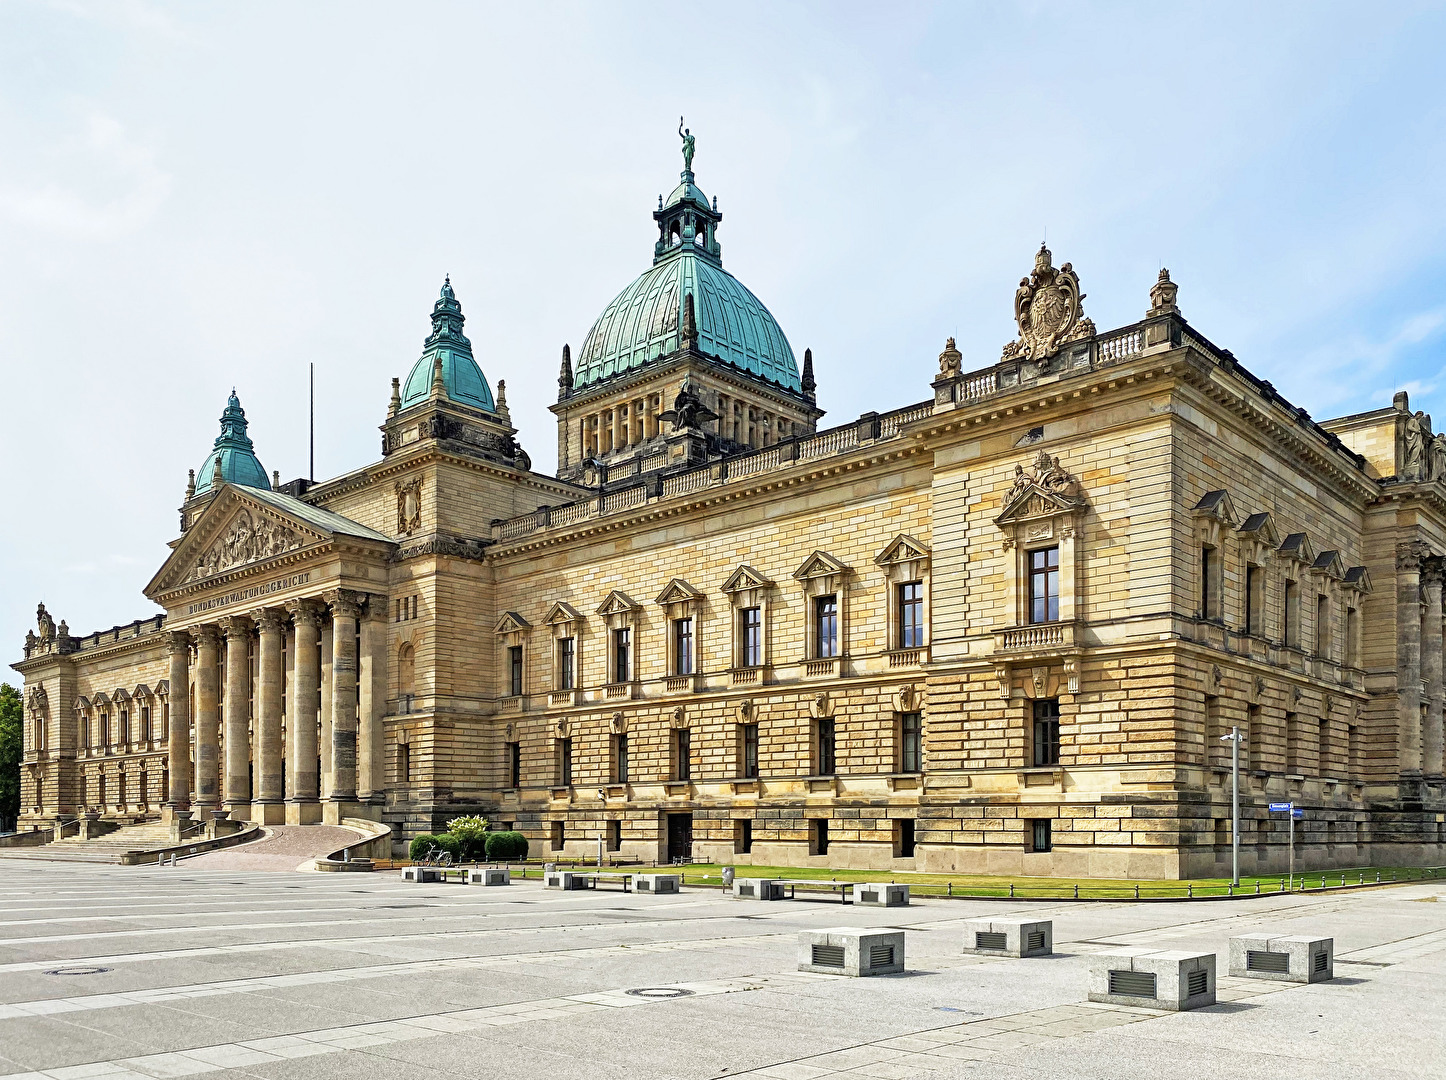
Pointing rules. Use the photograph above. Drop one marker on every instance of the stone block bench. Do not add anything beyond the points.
(879, 894)
(1004, 936)
(657, 883)
(1284, 959)
(846, 950)
(563, 879)
(422, 873)
(1170, 980)
(489, 875)
(758, 889)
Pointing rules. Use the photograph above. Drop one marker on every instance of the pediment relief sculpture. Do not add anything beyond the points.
(1042, 490)
(745, 577)
(250, 537)
(1048, 307)
(902, 549)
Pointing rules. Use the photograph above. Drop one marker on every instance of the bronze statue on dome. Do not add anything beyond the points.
(688, 143)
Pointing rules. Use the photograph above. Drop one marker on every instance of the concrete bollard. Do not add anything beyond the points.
(1004, 936)
(853, 951)
(879, 894)
(1174, 981)
(1295, 959)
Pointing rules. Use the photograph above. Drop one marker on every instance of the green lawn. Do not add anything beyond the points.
(1047, 887)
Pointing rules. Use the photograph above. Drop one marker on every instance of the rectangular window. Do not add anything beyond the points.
(145, 723)
(682, 646)
(566, 663)
(557, 838)
(911, 615)
(125, 725)
(825, 627)
(615, 836)
(1324, 747)
(1216, 752)
(818, 836)
(622, 654)
(1254, 599)
(1292, 743)
(751, 620)
(1292, 614)
(1039, 835)
(84, 732)
(1353, 632)
(404, 763)
(564, 762)
(1353, 752)
(620, 759)
(1046, 731)
(749, 737)
(682, 754)
(904, 838)
(514, 670)
(743, 837)
(514, 764)
(1207, 582)
(825, 747)
(911, 740)
(104, 731)
(1044, 585)
(1323, 625)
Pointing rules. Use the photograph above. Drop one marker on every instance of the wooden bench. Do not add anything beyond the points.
(609, 877)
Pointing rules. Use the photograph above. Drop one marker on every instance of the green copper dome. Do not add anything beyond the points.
(233, 449)
(645, 322)
(462, 379)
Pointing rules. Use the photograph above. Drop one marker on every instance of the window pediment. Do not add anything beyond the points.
(141, 692)
(678, 591)
(1258, 537)
(1329, 564)
(618, 603)
(1043, 490)
(562, 614)
(511, 623)
(82, 703)
(1216, 505)
(1298, 549)
(1357, 578)
(903, 549)
(745, 578)
(122, 696)
(819, 564)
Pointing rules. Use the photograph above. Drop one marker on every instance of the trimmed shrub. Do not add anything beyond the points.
(421, 844)
(471, 834)
(506, 846)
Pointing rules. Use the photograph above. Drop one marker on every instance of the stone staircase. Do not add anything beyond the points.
(102, 849)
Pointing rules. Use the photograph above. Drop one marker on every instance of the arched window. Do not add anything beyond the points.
(406, 678)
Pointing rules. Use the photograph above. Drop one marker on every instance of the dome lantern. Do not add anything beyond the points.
(462, 380)
(232, 459)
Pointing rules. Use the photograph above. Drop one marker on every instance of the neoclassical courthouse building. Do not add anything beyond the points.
(1001, 627)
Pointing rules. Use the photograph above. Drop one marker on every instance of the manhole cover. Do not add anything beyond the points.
(77, 971)
(661, 992)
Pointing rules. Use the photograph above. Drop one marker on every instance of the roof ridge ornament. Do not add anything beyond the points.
(1049, 309)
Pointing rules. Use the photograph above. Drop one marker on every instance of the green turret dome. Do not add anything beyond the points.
(646, 320)
(462, 379)
(233, 449)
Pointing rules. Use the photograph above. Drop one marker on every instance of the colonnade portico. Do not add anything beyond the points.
(258, 752)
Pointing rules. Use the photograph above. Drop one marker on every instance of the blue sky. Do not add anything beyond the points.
(199, 196)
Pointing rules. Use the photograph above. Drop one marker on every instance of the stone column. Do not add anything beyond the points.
(1431, 664)
(302, 807)
(208, 719)
(266, 804)
(345, 611)
(325, 643)
(238, 716)
(178, 727)
(1408, 655)
(371, 703)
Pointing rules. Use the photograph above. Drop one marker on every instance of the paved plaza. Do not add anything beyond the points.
(169, 972)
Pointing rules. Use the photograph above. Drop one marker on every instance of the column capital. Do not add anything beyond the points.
(178, 642)
(268, 620)
(1410, 555)
(1431, 573)
(306, 612)
(377, 608)
(345, 603)
(236, 626)
(206, 634)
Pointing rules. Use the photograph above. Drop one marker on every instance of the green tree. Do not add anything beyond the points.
(12, 714)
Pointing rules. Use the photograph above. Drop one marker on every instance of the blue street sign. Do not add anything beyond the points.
(1297, 814)
(1281, 807)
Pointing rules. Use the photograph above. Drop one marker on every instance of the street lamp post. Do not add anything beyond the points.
(1234, 739)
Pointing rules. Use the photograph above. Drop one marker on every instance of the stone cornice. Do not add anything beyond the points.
(428, 452)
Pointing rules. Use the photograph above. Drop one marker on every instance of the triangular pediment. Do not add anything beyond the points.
(617, 603)
(141, 692)
(902, 549)
(1033, 501)
(819, 564)
(1217, 505)
(232, 533)
(1261, 528)
(678, 591)
(1358, 578)
(1329, 563)
(510, 623)
(745, 577)
(1298, 548)
(561, 612)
